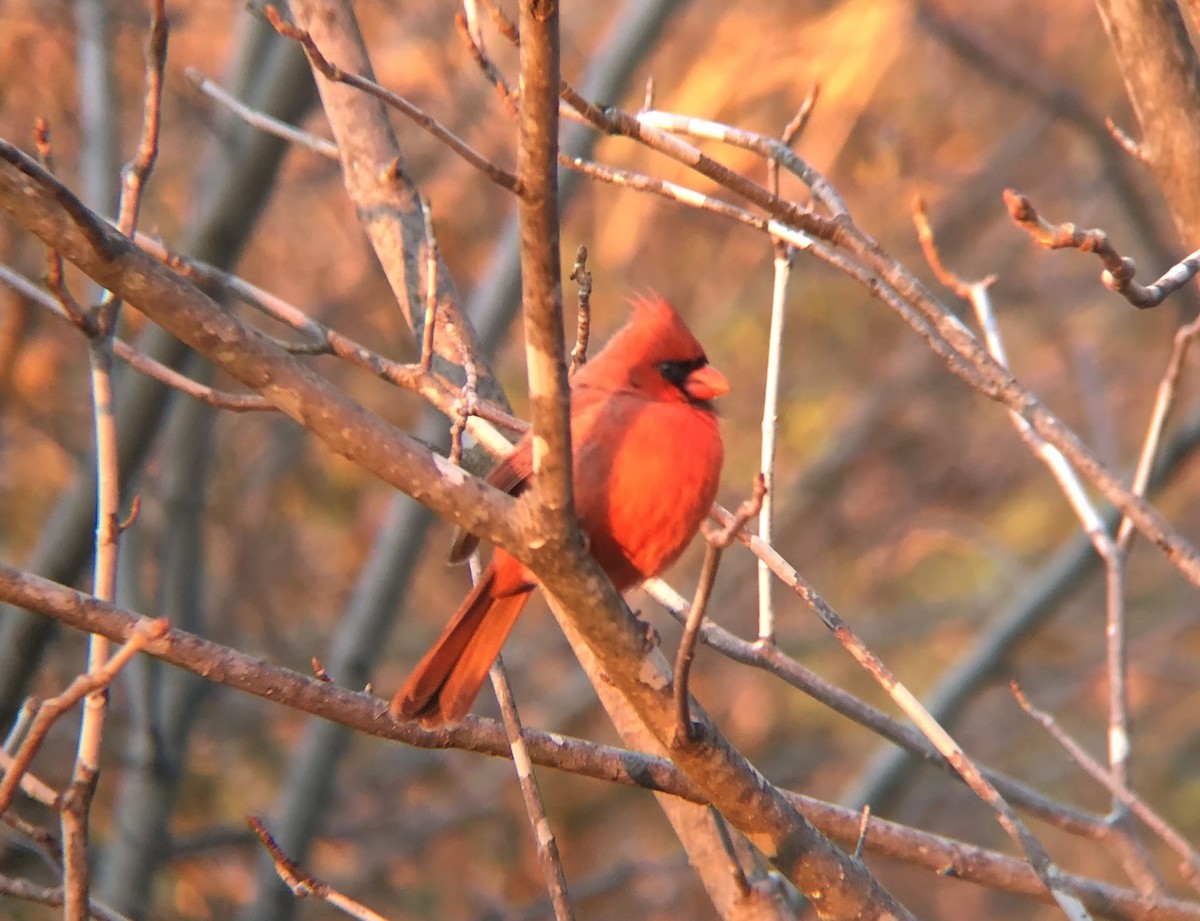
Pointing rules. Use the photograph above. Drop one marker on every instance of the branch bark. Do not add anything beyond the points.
(1162, 78)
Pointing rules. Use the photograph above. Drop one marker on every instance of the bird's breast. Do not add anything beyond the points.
(646, 474)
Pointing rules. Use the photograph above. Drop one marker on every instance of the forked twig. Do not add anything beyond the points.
(48, 711)
(717, 541)
(331, 71)
(1190, 860)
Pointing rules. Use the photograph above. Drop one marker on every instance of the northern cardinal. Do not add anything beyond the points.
(647, 456)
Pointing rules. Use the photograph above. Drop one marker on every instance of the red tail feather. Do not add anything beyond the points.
(445, 683)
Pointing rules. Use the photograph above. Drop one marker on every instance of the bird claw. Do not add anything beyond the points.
(650, 637)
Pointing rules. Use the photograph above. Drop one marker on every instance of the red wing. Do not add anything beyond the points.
(511, 475)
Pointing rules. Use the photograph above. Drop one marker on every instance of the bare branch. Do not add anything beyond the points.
(52, 896)
(541, 274)
(1117, 786)
(414, 113)
(431, 262)
(235, 402)
(770, 431)
(321, 146)
(303, 883)
(716, 544)
(1164, 402)
(141, 634)
(1135, 149)
(535, 808)
(791, 132)
(1089, 516)
(583, 320)
(137, 171)
(967, 769)
(1118, 270)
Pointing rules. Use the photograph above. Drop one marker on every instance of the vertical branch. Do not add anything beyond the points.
(77, 799)
(1117, 661)
(583, 320)
(431, 261)
(1116, 653)
(770, 431)
(1164, 401)
(547, 847)
(541, 273)
(717, 542)
(137, 170)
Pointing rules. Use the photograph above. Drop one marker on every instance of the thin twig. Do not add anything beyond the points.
(1135, 149)
(20, 726)
(932, 256)
(1190, 866)
(302, 883)
(770, 434)
(583, 319)
(770, 149)
(535, 808)
(31, 785)
(55, 279)
(42, 839)
(772, 660)
(260, 120)
(504, 92)
(717, 542)
(791, 131)
(1038, 859)
(325, 340)
(863, 827)
(143, 364)
(78, 796)
(53, 896)
(137, 171)
(1164, 402)
(431, 263)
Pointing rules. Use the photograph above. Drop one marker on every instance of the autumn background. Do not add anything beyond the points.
(907, 499)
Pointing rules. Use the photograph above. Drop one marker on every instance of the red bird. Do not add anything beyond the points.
(647, 457)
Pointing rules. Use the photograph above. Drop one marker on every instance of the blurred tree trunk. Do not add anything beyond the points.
(234, 193)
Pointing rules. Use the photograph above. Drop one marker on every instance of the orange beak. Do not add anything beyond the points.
(705, 384)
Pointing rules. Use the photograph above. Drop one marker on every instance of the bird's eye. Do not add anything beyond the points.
(676, 372)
